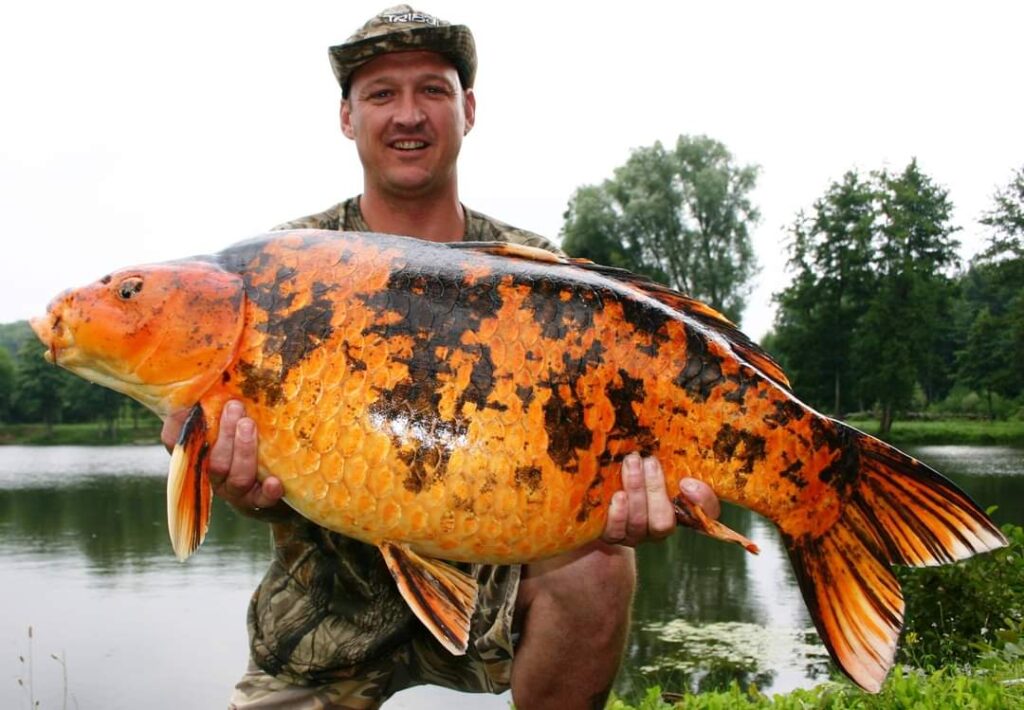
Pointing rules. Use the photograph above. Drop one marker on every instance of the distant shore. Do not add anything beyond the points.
(904, 433)
(964, 432)
(91, 434)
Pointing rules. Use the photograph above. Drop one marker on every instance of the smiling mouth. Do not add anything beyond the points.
(409, 145)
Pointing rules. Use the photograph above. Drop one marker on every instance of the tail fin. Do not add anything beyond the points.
(900, 512)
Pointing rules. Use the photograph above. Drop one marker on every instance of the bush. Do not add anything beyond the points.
(955, 612)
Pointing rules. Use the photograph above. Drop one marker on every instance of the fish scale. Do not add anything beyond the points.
(474, 402)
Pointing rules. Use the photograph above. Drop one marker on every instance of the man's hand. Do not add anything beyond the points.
(642, 511)
(233, 465)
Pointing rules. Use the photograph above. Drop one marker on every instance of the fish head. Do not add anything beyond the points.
(161, 334)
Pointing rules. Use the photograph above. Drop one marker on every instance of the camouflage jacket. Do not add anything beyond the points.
(328, 609)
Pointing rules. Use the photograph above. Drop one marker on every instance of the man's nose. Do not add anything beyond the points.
(409, 113)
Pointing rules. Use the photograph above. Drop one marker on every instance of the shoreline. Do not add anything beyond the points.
(949, 432)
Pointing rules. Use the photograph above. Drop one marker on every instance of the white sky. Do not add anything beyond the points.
(134, 131)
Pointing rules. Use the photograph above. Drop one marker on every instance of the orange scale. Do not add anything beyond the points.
(325, 436)
(390, 514)
(350, 441)
(332, 467)
(380, 482)
(339, 497)
(355, 473)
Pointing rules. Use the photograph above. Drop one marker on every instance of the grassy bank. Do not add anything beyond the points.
(996, 688)
(949, 431)
(148, 432)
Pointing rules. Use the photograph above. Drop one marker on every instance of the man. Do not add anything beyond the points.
(327, 625)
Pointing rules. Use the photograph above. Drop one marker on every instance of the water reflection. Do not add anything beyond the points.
(116, 523)
(86, 559)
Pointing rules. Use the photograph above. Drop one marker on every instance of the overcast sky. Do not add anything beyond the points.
(134, 131)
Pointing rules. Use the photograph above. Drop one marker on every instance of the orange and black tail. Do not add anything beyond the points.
(899, 511)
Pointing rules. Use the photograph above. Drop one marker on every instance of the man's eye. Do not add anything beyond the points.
(437, 90)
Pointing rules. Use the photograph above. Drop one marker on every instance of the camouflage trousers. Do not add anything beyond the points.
(417, 663)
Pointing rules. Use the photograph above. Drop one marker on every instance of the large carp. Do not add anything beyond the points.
(473, 402)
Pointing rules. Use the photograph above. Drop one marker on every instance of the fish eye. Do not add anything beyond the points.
(127, 289)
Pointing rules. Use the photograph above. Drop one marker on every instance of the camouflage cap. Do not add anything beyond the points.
(402, 29)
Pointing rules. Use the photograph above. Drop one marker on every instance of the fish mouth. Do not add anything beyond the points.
(52, 332)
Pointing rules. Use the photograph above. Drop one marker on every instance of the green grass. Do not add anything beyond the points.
(89, 434)
(949, 431)
(984, 689)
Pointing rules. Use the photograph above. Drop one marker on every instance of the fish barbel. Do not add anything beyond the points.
(474, 401)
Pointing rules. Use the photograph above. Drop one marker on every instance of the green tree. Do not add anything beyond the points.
(37, 394)
(1007, 218)
(591, 230)
(14, 335)
(6, 384)
(680, 216)
(820, 313)
(993, 294)
(84, 401)
(907, 336)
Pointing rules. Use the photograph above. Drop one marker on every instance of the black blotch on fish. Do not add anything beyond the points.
(786, 410)
(560, 307)
(563, 420)
(296, 335)
(435, 311)
(528, 476)
(627, 425)
(648, 318)
(702, 371)
(353, 363)
(259, 383)
(792, 474)
(525, 395)
(732, 443)
(589, 503)
(745, 379)
(842, 472)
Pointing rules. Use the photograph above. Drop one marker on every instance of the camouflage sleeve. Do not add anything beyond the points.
(328, 219)
(481, 228)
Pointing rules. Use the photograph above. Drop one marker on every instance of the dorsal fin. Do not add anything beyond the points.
(701, 312)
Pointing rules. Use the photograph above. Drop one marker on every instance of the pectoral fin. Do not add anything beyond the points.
(189, 493)
(441, 596)
(691, 515)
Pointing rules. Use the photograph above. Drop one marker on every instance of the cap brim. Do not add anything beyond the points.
(452, 41)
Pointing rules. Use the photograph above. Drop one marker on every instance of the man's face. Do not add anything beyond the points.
(407, 113)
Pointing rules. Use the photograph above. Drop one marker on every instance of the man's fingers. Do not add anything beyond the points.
(241, 477)
(615, 526)
(636, 496)
(223, 449)
(265, 494)
(661, 516)
(701, 494)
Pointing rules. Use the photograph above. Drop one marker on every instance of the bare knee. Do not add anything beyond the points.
(573, 615)
(596, 579)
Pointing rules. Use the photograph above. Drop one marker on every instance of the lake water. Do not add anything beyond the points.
(86, 563)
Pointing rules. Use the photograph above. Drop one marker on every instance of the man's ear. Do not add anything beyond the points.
(346, 119)
(469, 105)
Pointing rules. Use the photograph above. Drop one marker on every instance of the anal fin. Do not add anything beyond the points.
(189, 493)
(691, 515)
(440, 595)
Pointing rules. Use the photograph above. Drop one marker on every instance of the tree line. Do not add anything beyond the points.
(880, 314)
(33, 391)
